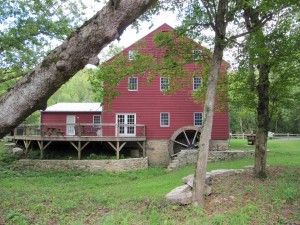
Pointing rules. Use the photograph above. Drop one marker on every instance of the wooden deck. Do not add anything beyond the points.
(80, 135)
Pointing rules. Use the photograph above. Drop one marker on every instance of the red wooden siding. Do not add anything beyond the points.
(148, 102)
(61, 118)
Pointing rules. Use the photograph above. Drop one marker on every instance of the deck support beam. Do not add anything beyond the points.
(26, 144)
(143, 147)
(117, 148)
(79, 147)
(43, 147)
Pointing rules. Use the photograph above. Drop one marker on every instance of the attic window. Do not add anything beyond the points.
(197, 82)
(132, 54)
(197, 53)
(164, 83)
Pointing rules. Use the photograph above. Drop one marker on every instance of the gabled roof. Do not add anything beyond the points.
(74, 107)
(163, 28)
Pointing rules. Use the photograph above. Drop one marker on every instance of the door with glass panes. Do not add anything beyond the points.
(123, 124)
(70, 128)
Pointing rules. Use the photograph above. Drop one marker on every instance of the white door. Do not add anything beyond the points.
(70, 129)
(123, 124)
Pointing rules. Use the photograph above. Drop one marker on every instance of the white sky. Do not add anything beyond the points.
(130, 35)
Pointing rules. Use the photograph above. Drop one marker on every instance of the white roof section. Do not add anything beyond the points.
(75, 107)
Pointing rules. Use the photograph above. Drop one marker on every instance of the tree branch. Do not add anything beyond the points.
(32, 91)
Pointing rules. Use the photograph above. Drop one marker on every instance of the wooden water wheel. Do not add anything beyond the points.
(184, 138)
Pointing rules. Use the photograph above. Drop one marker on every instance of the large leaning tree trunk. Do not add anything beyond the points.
(260, 60)
(205, 138)
(81, 47)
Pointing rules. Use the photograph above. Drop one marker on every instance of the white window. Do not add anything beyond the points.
(132, 84)
(197, 54)
(164, 119)
(70, 127)
(96, 119)
(198, 119)
(164, 83)
(132, 54)
(197, 82)
(123, 124)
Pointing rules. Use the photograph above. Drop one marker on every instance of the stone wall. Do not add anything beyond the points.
(214, 156)
(188, 157)
(86, 165)
(158, 153)
(218, 145)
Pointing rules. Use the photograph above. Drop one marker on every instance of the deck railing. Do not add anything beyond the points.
(81, 130)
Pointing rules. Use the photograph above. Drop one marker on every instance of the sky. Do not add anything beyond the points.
(130, 35)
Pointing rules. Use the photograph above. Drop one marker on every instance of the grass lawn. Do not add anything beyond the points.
(75, 197)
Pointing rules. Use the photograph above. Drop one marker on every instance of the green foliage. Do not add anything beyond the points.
(29, 29)
(276, 46)
(77, 89)
(177, 54)
(137, 197)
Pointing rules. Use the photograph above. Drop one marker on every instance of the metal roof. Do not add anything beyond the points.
(74, 107)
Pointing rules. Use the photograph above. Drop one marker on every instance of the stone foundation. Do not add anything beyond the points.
(158, 153)
(189, 157)
(86, 165)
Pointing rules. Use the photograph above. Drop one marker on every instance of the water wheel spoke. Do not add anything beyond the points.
(194, 139)
(181, 144)
(188, 141)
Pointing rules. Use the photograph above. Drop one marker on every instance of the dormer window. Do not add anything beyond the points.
(132, 54)
(197, 53)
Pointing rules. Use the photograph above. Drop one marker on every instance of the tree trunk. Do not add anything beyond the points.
(241, 125)
(260, 60)
(205, 138)
(84, 44)
(260, 169)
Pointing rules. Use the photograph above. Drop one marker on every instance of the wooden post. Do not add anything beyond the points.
(79, 148)
(41, 131)
(43, 147)
(143, 147)
(27, 144)
(118, 150)
(79, 130)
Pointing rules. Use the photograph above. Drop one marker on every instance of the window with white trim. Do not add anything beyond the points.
(132, 54)
(96, 119)
(164, 83)
(164, 119)
(197, 82)
(197, 53)
(198, 119)
(132, 84)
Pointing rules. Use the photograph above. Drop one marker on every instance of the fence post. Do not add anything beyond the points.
(79, 130)
(288, 136)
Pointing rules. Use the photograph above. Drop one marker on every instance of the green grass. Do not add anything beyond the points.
(137, 197)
